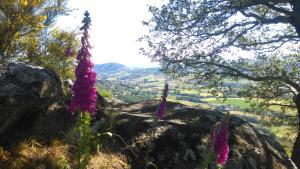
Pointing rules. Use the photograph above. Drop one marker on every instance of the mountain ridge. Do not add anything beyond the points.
(110, 67)
(117, 69)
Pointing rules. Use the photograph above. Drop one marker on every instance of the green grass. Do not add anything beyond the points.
(201, 92)
(103, 92)
(240, 81)
(240, 102)
(190, 91)
(188, 103)
(170, 97)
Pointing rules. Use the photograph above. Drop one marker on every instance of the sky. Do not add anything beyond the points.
(116, 27)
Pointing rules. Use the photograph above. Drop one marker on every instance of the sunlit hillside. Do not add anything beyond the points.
(136, 84)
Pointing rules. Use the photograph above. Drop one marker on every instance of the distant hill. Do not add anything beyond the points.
(127, 84)
(110, 68)
(119, 71)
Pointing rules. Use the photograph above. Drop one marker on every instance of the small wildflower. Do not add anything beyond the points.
(162, 108)
(69, 52)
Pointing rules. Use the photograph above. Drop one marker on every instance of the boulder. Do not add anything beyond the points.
(181, 140)
(26, 92)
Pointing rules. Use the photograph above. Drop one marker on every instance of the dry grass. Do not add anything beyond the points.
(30, 154)
(108, 161)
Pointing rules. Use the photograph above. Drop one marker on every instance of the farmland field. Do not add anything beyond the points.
(239, 102)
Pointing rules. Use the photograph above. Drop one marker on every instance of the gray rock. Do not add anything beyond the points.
(25, 90)
(189, 155)
(233, 164)
(212, 118)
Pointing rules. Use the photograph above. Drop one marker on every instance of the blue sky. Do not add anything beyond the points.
(116, 26)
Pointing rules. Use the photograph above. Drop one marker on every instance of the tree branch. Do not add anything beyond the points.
(257, 79)
(281, 105)
(277, 19)
(275, 8)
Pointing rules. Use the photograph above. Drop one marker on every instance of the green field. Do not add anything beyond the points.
(240, 102)
(189, 91)
(103, 92)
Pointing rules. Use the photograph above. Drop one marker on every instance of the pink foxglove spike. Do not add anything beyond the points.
(162, 108)
(163, 104)
(84, 95)
(221, 147)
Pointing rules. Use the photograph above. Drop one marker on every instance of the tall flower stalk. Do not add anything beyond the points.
(220, 142)
(84, 96)
(159, 115)
(163, 104)
(84, 89)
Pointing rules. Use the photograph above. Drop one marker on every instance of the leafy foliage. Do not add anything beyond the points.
(54, 56)
(27, 35)
(83, 150)
(24, 22)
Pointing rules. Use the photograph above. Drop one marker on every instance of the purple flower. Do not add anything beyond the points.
(222, 158)
(162, 108)
(84, 91)
(163, 104)
(220, 138)
(68, 52)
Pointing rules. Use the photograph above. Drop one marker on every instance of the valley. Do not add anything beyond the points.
(132, 85)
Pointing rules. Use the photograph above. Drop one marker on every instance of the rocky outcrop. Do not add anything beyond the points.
(180, 141)
(25, 93)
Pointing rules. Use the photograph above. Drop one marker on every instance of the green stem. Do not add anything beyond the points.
(83, 142)
(219, 166)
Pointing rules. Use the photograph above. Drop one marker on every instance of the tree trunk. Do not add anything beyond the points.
(296, 147)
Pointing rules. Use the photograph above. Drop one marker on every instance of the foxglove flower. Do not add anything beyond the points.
(220, 138)
(84, 91)
(162, 108)
(222, 157)
(163, 104)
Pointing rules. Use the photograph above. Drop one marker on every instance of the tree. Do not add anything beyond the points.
(53, 53)
(25, 19)
(27, 35)
(215, 40)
